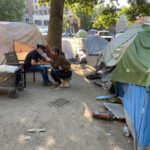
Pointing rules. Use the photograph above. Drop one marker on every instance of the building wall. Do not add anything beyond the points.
(41, 20)
(28, 11)
(29, 8)
(36, 14)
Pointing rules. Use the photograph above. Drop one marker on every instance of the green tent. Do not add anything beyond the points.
(134, 63)
(81, 33)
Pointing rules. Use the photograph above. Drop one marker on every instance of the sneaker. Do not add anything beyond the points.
(54, 85)
(57, 86)
(49, 83)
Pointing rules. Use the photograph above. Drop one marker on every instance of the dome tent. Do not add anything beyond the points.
(11, 32)
(94, 44)
(81, 33)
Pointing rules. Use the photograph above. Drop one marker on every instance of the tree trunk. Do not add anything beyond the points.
(56, 24)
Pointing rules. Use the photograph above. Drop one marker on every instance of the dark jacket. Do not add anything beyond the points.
(61, 62)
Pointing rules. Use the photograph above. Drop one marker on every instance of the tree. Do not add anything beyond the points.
(84, 15)
(123, 10)
(56, 23)
(65, 22)
(56, 19)
(106, 19)
(70, 22)
(11, 10)
(138, 10)
(139, 2)
(96, 11)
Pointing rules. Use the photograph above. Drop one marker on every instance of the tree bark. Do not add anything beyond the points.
(54, 38)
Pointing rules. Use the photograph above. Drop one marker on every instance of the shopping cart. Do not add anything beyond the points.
(10, 82)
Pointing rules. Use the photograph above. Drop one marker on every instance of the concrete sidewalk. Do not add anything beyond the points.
(69, 127)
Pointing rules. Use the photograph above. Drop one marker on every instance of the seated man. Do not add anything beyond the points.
(34, 61)
(61, 68)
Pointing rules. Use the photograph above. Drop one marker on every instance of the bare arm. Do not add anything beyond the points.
(34, 63)
(44, 61)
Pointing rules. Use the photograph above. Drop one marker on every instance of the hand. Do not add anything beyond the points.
(60, 68)
(44, 55)
(48, 59)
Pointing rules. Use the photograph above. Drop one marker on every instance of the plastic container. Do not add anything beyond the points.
(126, 131)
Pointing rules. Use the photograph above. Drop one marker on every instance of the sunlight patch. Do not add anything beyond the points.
(87, 113)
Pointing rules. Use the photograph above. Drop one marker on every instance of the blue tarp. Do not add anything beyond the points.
(137, 107)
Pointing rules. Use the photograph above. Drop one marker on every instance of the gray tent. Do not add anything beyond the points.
(94, 45)
(11, 32)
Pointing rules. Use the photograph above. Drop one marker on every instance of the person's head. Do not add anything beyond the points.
(40, 48)
(55, 51)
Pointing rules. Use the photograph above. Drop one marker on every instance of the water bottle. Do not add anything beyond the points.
(103, 97)
(126, 131)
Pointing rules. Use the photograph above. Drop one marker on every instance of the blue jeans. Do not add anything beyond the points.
(42, 70)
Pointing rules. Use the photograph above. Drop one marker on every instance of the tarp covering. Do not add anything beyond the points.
(137, 109)
(21, 32)
(94, 44)
(134, 66)
(115, 49)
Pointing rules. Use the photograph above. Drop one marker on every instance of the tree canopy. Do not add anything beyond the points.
(84, 15)
(106, 19)
(11, 10)
(71, 2)
(138, 10)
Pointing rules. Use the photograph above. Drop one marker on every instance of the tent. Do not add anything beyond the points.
(115, 49)
(81, 33)
(132, 77)
(133, 66)
(122, 23)
(136, 101)
(15, 34)
(67, 49)
(92, 32)
(94, 44)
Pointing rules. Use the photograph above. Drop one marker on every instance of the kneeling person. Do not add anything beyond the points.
(61, 68)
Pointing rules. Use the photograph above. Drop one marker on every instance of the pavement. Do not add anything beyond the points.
(69, 127)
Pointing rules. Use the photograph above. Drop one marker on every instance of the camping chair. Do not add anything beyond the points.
(12, 59)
